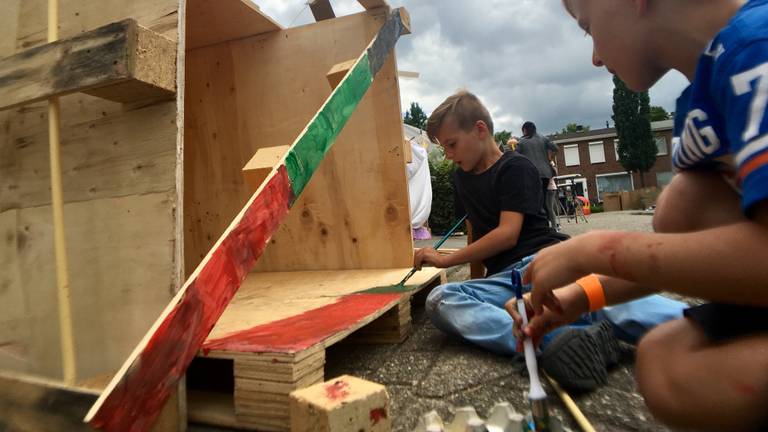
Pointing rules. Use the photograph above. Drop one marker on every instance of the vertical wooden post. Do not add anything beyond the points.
(60, 246)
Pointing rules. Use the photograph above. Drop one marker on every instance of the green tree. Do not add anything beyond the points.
(574, 127)
(631, 114)
(659, 113)
(441, 217)
(501, 137)
(415, 116)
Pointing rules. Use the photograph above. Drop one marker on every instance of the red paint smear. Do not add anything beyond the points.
(304, 330)
(336, 390)
(377, 414)
(135, 403)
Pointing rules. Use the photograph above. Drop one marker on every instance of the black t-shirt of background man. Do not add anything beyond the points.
(511, 184)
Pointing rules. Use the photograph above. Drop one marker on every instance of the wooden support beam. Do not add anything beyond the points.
(122, 62)
(373, 4)
(321, 10)
(407, 74)
(136, 394)
(338, 71)
(258, 168)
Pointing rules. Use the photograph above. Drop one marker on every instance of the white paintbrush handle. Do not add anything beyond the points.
(537, 391)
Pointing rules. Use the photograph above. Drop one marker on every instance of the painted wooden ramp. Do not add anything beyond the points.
(139, 390)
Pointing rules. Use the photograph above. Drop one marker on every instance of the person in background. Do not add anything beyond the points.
(541, 151)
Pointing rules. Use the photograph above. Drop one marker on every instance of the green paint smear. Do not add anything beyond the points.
(303, 159)
(387, 289)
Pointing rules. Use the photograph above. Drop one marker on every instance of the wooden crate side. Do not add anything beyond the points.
(260, 92)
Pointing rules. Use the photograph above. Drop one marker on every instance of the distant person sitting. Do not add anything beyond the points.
(541, 151)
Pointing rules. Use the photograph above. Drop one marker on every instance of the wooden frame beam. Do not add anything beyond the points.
(373, 4)
(138, 391)
(122, 62)
(321, 10)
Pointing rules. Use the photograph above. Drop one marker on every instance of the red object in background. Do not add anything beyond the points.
(585, 205)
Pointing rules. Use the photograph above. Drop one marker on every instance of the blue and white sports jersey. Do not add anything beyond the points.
(721, 120)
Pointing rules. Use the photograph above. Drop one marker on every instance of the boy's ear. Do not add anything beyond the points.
(482, 128)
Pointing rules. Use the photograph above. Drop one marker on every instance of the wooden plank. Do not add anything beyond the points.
(27, 19)
(33, 404)
(321, 9)
(109, 314)
(373, 4)
(121, 54)
(354, 213)
(214, 21)
(258, 168)
(140, 388)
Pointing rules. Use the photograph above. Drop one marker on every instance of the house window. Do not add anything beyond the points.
(663, 178)
(616, 182)
(661, 146)
(571, 155)
(596, 152)
(616, 149)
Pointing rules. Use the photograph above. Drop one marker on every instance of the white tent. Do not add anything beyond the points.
(419, 179)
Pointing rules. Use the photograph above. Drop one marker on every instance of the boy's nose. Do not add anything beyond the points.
(596, 59)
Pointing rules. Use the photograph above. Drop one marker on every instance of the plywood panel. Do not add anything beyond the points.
(267, 297)
(260, 92)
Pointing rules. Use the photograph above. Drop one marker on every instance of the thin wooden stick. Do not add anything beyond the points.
(571, 405)
(57, 202)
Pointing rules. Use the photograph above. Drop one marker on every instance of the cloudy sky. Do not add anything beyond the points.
(525, 59)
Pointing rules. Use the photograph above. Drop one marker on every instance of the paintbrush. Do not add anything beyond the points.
(536, 395)
(436, 247)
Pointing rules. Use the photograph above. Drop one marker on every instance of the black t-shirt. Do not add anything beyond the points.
(511, 184)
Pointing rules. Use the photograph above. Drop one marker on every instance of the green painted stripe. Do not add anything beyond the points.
(303, 159)
(387, 289)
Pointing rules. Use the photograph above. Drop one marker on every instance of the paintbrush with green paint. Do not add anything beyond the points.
(436, 247)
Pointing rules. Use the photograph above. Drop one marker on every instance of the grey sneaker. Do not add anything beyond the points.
(579, 358)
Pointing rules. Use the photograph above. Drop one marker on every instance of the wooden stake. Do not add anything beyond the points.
(57, 203)
(571, 405)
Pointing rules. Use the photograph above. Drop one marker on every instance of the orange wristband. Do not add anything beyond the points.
(594, 291)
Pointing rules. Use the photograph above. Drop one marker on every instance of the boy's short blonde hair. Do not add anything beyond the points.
(463, 107)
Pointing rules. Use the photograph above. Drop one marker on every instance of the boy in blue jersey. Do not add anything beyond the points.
(708, 370)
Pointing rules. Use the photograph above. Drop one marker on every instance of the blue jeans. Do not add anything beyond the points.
(475, 311)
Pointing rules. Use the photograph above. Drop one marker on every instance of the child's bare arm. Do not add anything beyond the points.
(499, 239)
(726, 264)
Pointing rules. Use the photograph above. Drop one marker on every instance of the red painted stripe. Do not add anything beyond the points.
(305, 330)
(753, 164)
(137, 400)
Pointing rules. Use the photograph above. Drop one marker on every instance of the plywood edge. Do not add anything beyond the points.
(215, 21)
(111, 61)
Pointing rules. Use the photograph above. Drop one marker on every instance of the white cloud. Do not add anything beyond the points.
(525, 59)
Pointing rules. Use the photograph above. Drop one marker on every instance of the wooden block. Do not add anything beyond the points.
(338, 71)
(258, 168)
(122, 62)
(345, 403)
(321, 10)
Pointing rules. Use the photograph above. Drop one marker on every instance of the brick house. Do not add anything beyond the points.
(589, 162)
